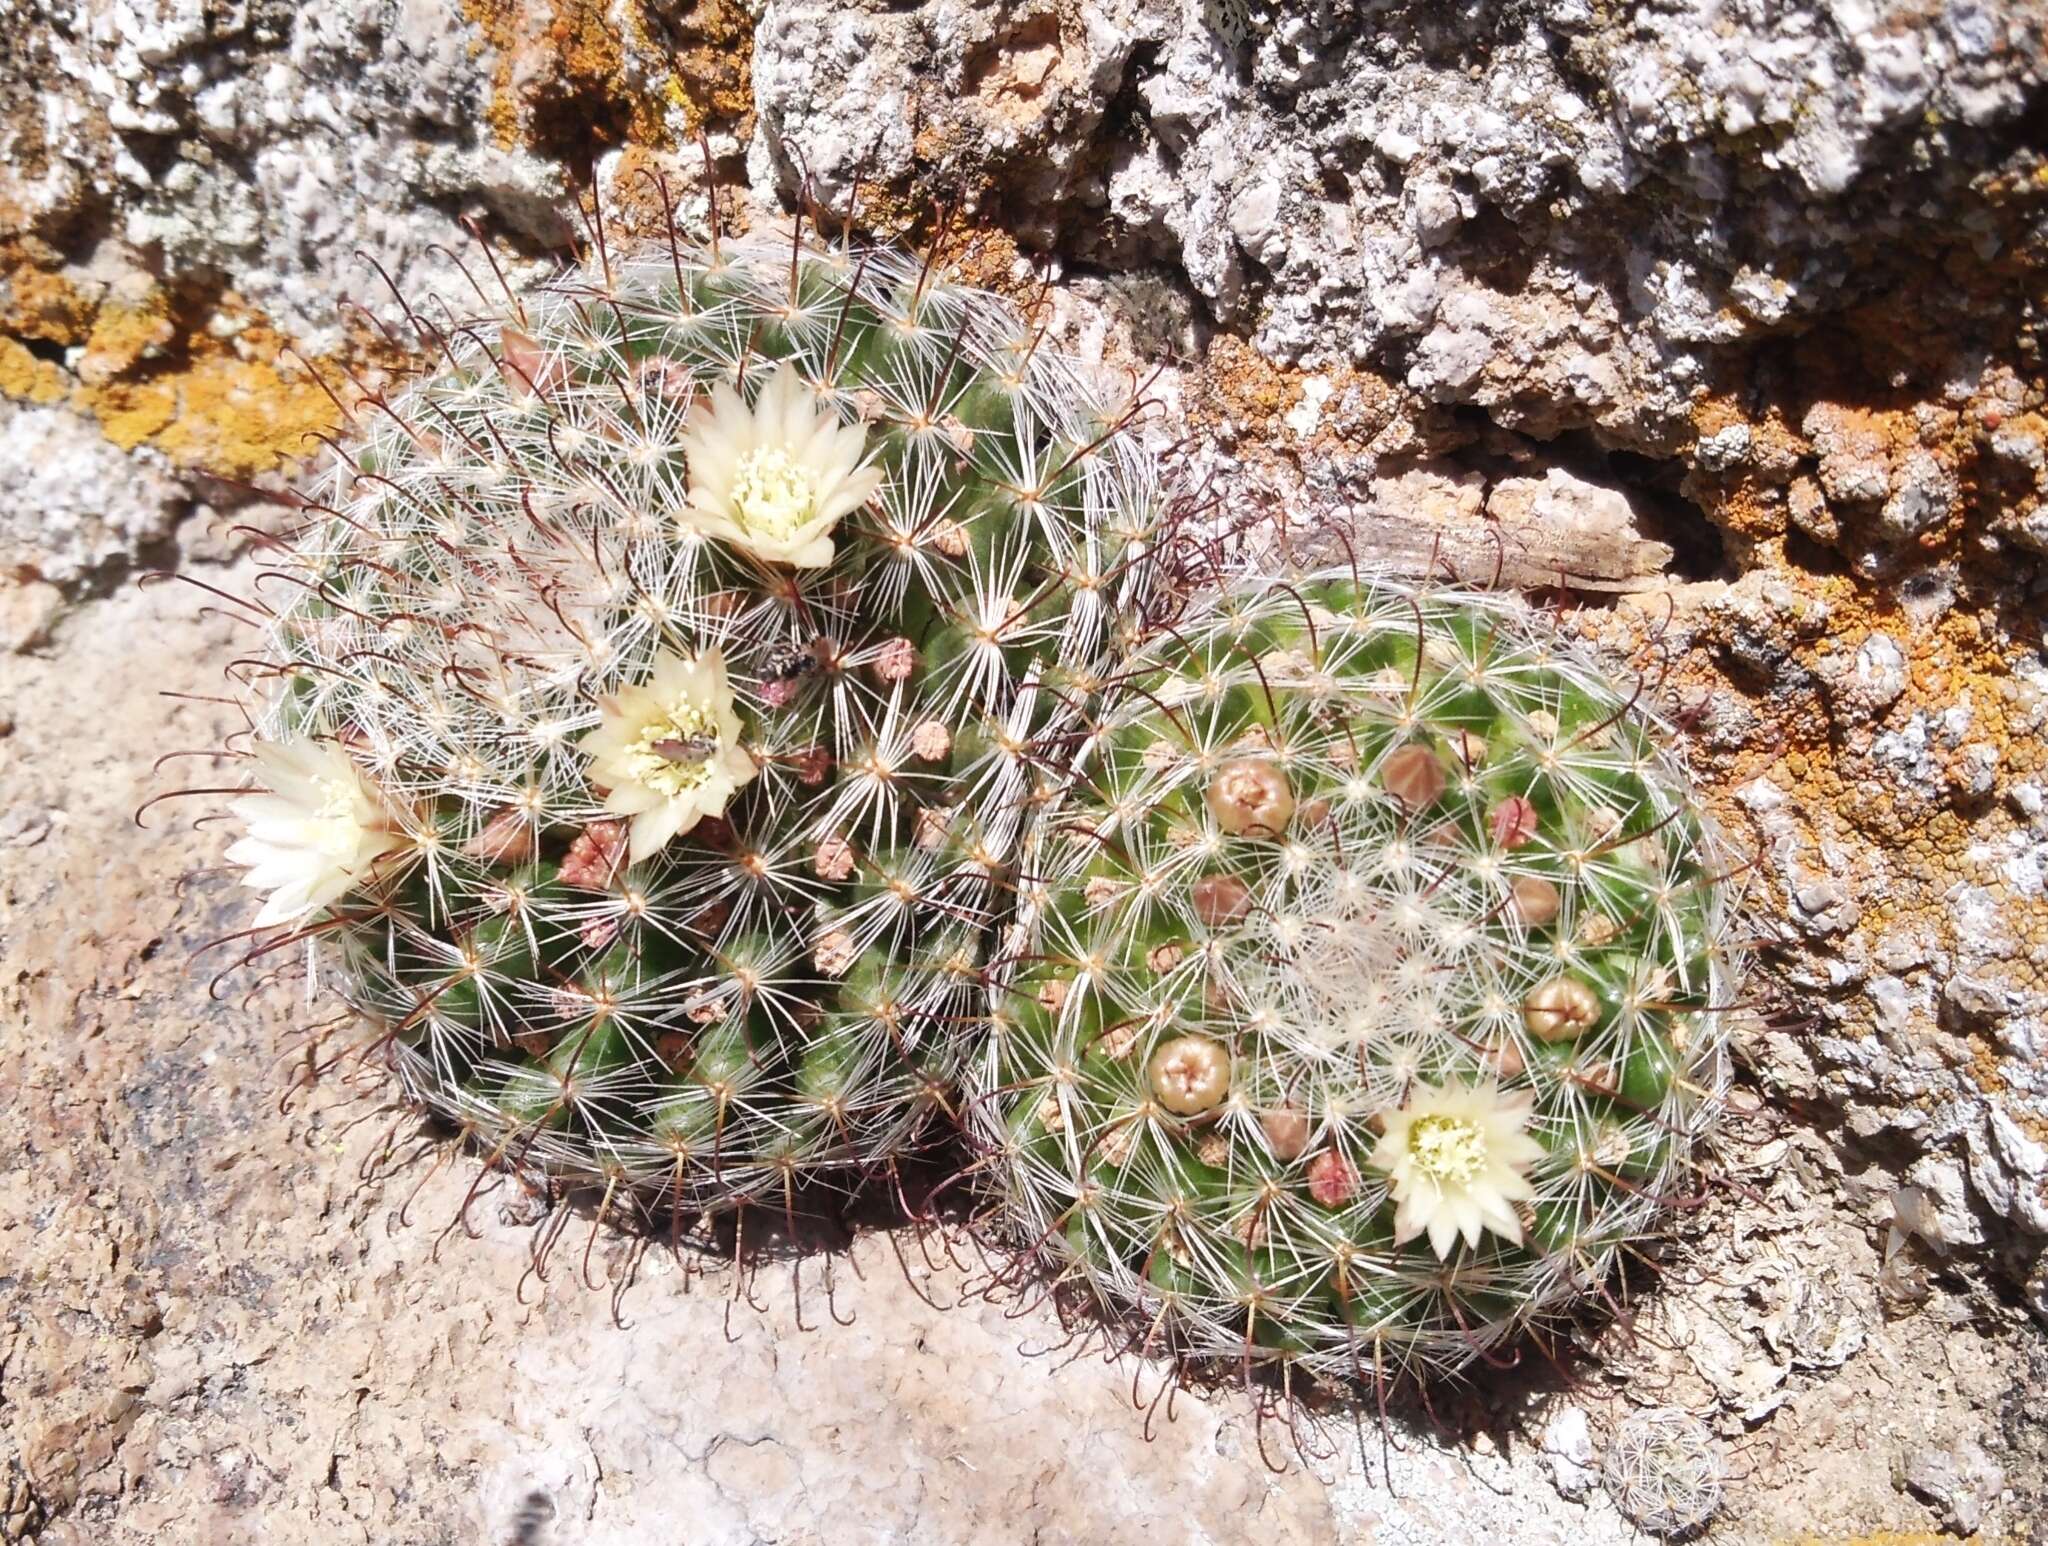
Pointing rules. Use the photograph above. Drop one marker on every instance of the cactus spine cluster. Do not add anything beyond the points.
(1364, 997)
(651, 699)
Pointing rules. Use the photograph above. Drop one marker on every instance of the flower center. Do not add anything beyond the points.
(1448, 1148)
(674, 753)
(772, 493)
(337, 800)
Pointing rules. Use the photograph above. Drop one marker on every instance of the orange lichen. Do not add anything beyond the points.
(1240, 389)
(568, 81)
(714, 78)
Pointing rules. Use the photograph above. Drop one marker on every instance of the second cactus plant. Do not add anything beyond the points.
(1367, 994)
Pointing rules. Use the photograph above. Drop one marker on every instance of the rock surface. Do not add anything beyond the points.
(1717, 324)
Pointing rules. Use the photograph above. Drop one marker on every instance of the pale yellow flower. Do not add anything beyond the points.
(774, 479)
(1456, 1158)
(315, 832)
(668, 750)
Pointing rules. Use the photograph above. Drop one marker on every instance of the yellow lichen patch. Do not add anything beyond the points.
(123, 336)
(988, 260)
(1240, 384)
(229, 416)
(29, 379)
(190, 372)
(36, 303)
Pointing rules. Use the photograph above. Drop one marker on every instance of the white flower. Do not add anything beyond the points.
(668, 750)
(315, 834)
(774, 479)
(1456, 1158)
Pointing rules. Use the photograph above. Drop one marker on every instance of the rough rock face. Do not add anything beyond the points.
(1717, 321)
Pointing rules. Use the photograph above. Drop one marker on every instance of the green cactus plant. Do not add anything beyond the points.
(1366, 992)
(647, 710)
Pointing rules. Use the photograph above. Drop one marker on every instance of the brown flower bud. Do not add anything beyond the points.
(1286, 1132)
(1597, 929)
(1190, 1075)
(507, 838)
(1115, 1146)
(707, 921)
(1560, 1009)
(1250, 797)
(833, 859)
(1413, 775)
(1534, 900)
(928, 831)
(948, 537)
(673, 1048)
(834, 953)
(534, 1044)
(1220, 900)
(1117, 1042)
(1164, 958)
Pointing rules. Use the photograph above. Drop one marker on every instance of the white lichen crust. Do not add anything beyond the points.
(695, 616)
(1468, 967)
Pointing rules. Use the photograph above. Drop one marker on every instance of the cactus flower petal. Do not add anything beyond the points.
(318, 832)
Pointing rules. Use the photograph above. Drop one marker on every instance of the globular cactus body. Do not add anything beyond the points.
(1367, 992)
(655, 697)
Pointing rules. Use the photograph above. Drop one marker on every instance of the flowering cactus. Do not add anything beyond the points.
(654, 702)
(1366, 992)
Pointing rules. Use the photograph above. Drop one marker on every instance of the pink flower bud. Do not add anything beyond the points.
(507, 838)
(894, 660)
(931, 741)
(595, 858)
(528, 367)
(833, 859)
(1512, 822)
(1332, 1179)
